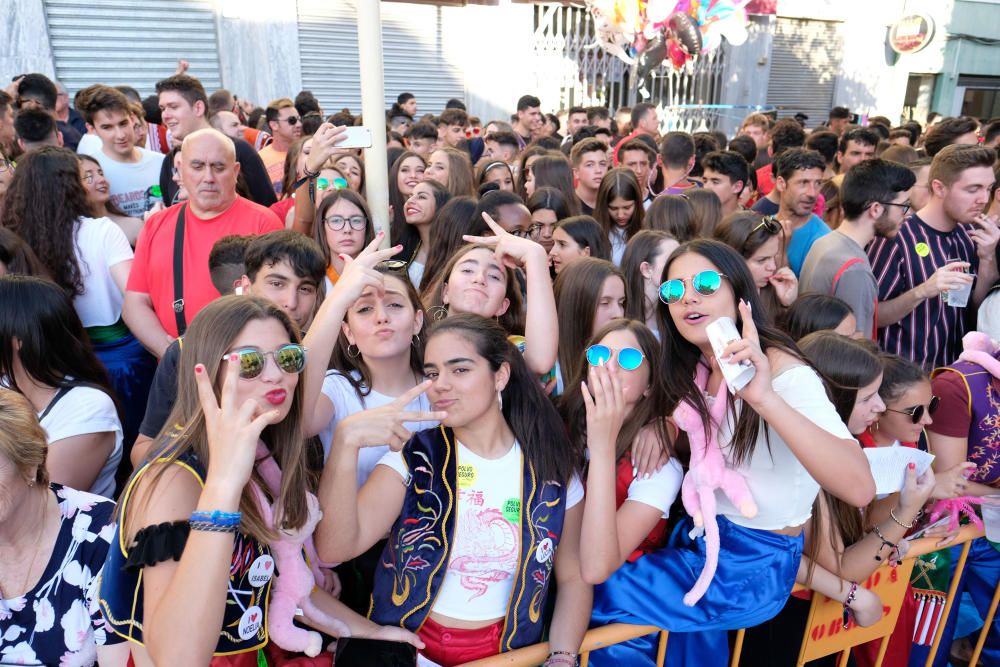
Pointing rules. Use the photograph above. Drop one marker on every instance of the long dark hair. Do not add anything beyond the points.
(681, 357)
(707, 210)
(399, 231)
(433, 296)
(453, 220)
(743, 232)
(898, 375)
(529, 413)
(522, 171)
(648, 411)
(347, 364)
(548, 198)
(587, 233)
(846, 366)
(319, 227)
(619, 183)
(674, 215)
(53, 343)
(407, 235)
(554, 170)
(17, 257)
(43, 206)
(207, 340)
(291, 162)
(815, 312)
(643, 247)
(577, 290)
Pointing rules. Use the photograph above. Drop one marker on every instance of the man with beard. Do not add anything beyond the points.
(799, 175)
(944, 246)
(875, 197)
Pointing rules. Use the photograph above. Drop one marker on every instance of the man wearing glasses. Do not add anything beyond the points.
(875, 198)
(286, 127)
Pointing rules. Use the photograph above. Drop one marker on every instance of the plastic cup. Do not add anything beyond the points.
(959, 298)
(991, 518)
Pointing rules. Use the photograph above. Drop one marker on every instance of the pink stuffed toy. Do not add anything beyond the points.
(706, 473)
(296, 581)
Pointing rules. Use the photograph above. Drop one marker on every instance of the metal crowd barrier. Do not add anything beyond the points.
(824, 633)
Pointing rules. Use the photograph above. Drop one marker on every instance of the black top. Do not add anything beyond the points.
(252, 173)
(162, 393)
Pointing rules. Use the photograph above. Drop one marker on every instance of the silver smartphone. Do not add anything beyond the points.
(356, 137)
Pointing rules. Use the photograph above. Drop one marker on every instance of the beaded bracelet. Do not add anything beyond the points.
(847, 603)
(560, 658)
(217, 518)
(894, 548)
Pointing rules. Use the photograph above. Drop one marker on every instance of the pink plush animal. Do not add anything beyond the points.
(706, 473)
(296, 581)
(980, 349)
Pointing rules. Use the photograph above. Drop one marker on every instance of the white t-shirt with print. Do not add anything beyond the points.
(344, 398)
(129, 182)
(100, 244)
(85, 410)
(484, 557)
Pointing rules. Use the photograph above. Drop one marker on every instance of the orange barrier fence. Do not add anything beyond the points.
(825, 634)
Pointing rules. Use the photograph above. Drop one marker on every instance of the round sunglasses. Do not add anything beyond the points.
(705, 283)
(629, 358)
(917, 413)
(290, 358)
(336, 184)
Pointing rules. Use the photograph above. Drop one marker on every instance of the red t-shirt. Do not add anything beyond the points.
(153, 267)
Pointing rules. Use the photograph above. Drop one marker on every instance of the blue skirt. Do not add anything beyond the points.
(131, 369)
(755, 575)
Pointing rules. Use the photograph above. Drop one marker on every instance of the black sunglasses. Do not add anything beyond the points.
(917, 413)
(291, 120)
(769, 224)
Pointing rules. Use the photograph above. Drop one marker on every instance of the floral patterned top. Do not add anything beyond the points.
(55, 623)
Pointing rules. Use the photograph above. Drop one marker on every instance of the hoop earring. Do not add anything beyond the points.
(438, 313)
(416, 340)
(500, 399)
(875, 426)
(355, 353)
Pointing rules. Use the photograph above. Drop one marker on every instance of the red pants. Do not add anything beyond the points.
(453, 646)
(275, 656)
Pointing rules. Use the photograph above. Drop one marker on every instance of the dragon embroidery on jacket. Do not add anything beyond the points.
(492, 550)
(416, 535)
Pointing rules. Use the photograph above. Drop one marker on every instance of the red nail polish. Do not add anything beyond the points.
(911, 466)
(199, 369)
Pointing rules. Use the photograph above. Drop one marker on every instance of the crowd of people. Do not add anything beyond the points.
(239, 425)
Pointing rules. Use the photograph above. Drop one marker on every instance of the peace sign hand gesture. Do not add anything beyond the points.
(233, 431)
(759, 389)
(512, 251)
(384, 425)
(359, 272)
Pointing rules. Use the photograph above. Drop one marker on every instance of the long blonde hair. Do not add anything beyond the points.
(207, 340)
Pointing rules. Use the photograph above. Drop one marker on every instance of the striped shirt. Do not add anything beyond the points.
(931, 335)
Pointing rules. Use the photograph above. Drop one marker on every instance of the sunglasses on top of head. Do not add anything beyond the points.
(290, 358)
(769, 224)
(916, 413)
(629, 358)
(705, 283)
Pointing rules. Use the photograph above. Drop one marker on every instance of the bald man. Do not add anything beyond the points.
(169, 282)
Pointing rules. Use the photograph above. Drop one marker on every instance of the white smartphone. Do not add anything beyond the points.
(356, 137)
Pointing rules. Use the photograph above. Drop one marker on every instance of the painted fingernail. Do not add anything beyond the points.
(341, 257)
(199, 369)
(911, 466)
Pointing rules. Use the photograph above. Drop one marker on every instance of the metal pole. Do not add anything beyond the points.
(373, 111)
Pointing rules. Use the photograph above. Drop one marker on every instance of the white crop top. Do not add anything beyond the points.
(484, 557)
(782, 488)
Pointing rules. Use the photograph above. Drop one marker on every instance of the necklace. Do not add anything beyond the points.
(34, 556)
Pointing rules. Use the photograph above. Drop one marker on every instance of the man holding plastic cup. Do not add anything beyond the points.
(947, 246)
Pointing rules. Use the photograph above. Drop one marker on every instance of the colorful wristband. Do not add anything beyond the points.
(217, 518)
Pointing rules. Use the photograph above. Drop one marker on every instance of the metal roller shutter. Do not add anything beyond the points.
(132, 42)
(805, 59)
(411, 47)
